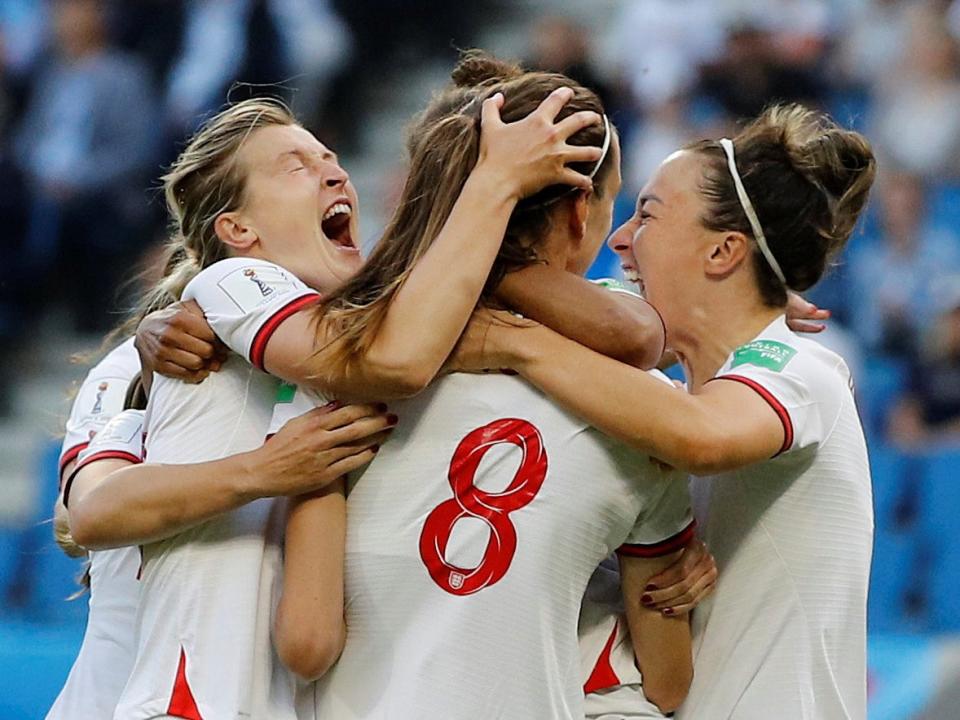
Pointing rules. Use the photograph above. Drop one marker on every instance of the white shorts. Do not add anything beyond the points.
(624, 702)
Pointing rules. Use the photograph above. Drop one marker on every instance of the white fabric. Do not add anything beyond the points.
(243, 298)
(208, 592)
(415, 647)
(106, 654)
(786, 627)
(100, 397)
(602, 615)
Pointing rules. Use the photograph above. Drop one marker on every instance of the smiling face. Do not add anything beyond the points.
(300, 206)
(663, 245)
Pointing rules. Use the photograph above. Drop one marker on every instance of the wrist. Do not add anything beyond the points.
(494, 185)
(246, 478)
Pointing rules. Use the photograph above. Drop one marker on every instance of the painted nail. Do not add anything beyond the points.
(668, 611)
(332, 405)
(392, 419)
(375, 449)
(381, 407)
(646, 599)
(651, 587)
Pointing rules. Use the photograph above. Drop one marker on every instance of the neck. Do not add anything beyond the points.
(707, 335)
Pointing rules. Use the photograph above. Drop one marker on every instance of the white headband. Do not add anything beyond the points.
(747, 206)
(603, 149)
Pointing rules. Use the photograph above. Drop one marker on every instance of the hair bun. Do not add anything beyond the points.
(477, 67)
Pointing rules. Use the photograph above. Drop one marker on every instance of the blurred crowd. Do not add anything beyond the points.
(95, 96)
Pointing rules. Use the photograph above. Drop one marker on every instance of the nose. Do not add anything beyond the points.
(334, 175)
(619, 241)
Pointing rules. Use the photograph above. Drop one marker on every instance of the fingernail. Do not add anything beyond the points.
(651, 587)
(392, 419)
(375, 449)
(381, 407)
(668, 611)
(332, 405)
(646, 599)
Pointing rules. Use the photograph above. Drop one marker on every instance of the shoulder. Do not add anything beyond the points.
(245, 284)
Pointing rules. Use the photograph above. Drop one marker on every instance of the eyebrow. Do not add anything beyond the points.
(303, 155)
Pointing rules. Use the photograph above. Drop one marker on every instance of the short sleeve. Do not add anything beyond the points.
(245, 300)
(292, 401)
(100, 397)
(667, 523)
(798, 388)
(120, 439)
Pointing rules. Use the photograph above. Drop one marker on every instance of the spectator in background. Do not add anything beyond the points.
(560, 45)
(929, 412)
(916, 124)
(306, 41)
(893, 276)
(84, 145)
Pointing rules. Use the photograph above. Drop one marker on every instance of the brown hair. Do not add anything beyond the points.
(444, 145)
(808, 181)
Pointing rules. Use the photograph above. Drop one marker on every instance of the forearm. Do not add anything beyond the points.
(431, 308)
(616, 324)
(309, 630)
(150, 502)
(681, 429)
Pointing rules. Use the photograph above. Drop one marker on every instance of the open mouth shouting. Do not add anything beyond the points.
(335, 225)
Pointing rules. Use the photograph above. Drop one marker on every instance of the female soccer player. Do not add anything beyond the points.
(722, 231)
(204, 611)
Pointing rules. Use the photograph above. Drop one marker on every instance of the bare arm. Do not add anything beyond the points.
(724, 426)
(150, 502)
(662, 644)
(309, 630)
(619, 325)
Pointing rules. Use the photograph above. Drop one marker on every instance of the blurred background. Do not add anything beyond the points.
(96, 97)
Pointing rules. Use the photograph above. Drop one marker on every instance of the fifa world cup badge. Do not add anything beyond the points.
(98, 405)
(264, 288)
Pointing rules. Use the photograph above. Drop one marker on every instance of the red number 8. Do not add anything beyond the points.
(493, 508)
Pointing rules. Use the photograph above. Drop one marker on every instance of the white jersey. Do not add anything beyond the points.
(785, 631)
(207, 594)
(106, 654)
(471, 539)
(612, 684)
(100, 397)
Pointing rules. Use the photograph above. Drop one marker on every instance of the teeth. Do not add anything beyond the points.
(339, 208)
(631, 275)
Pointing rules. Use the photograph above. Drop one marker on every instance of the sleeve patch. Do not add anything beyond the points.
(664, 547)
(768, 354)
(253, 286)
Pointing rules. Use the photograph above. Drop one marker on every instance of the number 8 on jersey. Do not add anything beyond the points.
(493, 508)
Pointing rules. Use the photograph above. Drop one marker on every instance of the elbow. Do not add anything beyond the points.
(704, 452)
(397, 376)
(86, 528)
(636, 336)
(669, 693)
(309, 655)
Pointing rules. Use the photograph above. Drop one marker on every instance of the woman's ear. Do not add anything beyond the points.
(726, 254)
(234, 232)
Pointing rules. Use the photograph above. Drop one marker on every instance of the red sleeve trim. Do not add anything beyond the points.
(102, 455)
(268, 328)
(664, 547)
(69, 456)
(772, 401)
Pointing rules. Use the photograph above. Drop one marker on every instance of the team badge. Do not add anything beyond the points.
(251, 288)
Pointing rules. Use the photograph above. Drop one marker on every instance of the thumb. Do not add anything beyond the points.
(490, 111)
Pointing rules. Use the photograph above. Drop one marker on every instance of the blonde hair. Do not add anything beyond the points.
(204, 181)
